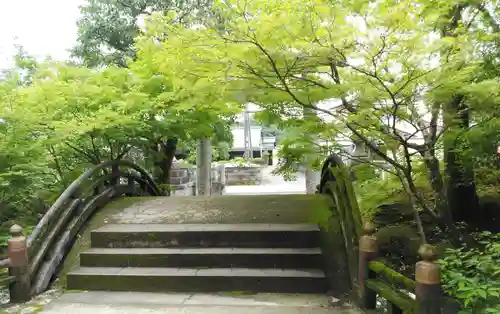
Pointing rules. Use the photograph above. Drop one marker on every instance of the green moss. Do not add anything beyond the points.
(392, 276)
(237, 293)
(352, 202)
(320, 211)
(74, 291)
(349, 229)
(403, 301)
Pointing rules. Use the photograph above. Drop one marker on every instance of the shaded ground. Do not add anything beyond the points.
(138, 303)
(219, 209)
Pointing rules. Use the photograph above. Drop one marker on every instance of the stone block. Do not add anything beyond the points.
(243, 175)
(184, 172)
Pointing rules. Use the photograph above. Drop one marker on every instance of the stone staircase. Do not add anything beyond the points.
(281, 258)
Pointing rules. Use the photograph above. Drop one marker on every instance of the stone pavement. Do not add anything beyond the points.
(153, 303)
(271, 184)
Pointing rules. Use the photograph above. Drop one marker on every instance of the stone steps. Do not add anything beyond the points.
(206, 235)
(151, 279)
(202, 258)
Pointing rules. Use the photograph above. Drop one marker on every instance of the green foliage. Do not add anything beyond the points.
(220, 151)
(241, 162)
(107, 28)
(57, 119)
(472, 275)
(341, 71)
(374, 190)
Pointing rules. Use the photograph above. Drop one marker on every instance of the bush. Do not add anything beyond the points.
(472, 276)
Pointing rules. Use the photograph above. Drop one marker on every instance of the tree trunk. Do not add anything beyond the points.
(460, 184)
(460, 181)
(164, 153)
(168, 150)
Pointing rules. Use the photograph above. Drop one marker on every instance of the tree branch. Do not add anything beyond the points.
(91, 158)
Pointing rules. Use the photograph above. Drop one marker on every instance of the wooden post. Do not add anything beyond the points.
(367, 253)
(428, 278)
(18, 257)
(393, 309)
(115, 170)
(143, 186)
(131, 185)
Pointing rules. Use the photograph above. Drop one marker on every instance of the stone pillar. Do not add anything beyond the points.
(18, 258)
(222, 174)
(428, 278)
(204, 167)
(313, 177)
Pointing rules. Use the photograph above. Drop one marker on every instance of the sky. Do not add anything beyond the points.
(42, 27)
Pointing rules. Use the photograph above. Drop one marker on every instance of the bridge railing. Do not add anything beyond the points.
(337, 185)
(423, 295)
(34, 261)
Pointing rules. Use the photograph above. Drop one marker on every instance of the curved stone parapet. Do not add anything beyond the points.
(96, 187)
(337, 184)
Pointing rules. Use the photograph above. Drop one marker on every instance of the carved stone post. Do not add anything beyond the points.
(428, 278)
(18, 257)
(367, 253)
(222, 174)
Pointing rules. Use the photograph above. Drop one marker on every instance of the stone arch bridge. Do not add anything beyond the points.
(111, 230)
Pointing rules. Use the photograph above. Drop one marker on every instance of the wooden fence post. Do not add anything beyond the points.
(131, 185)
(428, 278)
(115, 170)
(367, 253)
(18, 257)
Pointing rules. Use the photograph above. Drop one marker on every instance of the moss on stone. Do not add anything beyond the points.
(230, 209)
(237, 293)
(403, 301)
(295, 208)
(393, 277)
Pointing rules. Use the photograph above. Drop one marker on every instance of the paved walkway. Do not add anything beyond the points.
(153, 303)
(271, 184)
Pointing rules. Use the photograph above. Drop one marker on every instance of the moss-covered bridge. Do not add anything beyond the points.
(111, 230)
